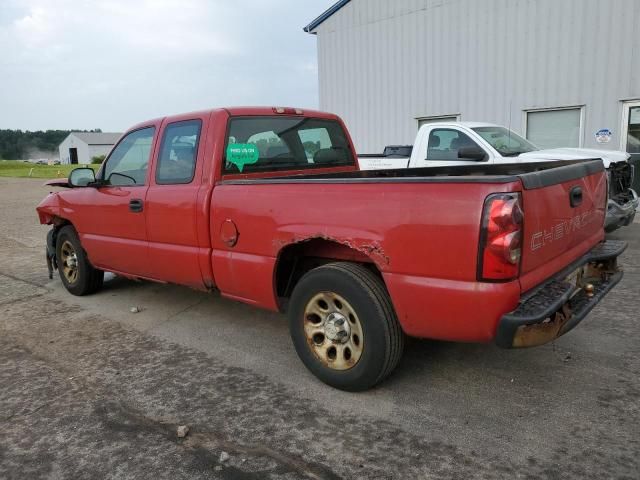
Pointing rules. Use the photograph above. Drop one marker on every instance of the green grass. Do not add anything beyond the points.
(14, 168)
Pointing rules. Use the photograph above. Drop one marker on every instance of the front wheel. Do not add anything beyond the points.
(78, 276)
(344, 327)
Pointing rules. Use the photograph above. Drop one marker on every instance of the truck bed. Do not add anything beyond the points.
(420, 228)
(532, 175)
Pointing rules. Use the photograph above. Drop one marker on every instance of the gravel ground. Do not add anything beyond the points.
(90, 390)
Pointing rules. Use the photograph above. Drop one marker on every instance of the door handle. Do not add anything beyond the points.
(136, 205)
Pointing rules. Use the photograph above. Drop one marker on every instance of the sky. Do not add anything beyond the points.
(80, 64)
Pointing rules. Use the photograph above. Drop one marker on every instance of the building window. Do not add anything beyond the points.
(631, 136)
(443, 118)
(554, 128)
(631, 128)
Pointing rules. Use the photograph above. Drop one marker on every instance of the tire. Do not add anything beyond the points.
(356, 342)
(78, 276)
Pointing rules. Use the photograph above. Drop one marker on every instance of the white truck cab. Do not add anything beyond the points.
(467, 143)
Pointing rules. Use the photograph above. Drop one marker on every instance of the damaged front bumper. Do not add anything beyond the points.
(51, 251)
(621, 215)
(554, 308)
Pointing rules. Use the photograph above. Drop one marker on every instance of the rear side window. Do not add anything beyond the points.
(178, 153)
(267, 144)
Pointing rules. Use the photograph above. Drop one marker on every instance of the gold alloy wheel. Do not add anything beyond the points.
(333, 331)
(69, 262)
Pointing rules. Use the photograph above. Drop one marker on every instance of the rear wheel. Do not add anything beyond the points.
(343, 326)
(78, 276)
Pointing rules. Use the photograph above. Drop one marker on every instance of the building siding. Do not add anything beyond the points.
(383, 64)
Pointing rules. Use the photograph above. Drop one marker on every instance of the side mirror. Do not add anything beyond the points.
(82, 177)
(474, 153)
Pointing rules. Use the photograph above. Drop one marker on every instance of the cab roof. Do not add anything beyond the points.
(241, 112)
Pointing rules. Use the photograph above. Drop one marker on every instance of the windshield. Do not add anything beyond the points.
(506, 142)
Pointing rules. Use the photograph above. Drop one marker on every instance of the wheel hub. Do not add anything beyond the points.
(69, 259)
(337, 328)
(333, 330)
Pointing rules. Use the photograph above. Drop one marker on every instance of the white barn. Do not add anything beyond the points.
(558, 71)
(81, 147)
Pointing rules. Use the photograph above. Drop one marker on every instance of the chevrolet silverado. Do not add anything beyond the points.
(268, 206)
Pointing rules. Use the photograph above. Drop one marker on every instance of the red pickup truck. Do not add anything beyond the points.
(268, 206)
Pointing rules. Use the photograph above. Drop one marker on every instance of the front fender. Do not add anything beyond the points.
(49, 209)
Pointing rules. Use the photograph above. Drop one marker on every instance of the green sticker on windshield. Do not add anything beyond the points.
(241, 154)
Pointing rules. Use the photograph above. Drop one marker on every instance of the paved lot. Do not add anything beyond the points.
(90, 390)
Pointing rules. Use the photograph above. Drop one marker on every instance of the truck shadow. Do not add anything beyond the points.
(218, 325)
(430, 362)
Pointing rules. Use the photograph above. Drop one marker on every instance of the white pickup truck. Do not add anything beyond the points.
(468, 143)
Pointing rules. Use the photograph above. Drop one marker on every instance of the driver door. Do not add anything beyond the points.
(113, 223)
(444, 145)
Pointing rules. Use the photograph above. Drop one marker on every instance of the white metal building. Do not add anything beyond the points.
(558, 71)
(81, 147)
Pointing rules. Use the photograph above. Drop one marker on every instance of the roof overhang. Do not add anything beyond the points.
(316, 23)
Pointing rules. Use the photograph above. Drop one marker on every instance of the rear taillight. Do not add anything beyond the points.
(500, 238)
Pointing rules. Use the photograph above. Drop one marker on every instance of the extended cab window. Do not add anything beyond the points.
(177, 159)
(444, 144)
(128, 162)
(266, 144)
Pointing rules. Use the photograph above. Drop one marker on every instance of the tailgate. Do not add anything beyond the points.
(564, 211)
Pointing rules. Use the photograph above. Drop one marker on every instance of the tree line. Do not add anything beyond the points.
(22, 145)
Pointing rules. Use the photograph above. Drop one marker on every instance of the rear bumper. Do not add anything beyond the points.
(621, 215)
(554, 308)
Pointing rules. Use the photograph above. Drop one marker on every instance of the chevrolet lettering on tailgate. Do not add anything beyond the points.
(562, 229)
